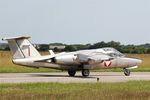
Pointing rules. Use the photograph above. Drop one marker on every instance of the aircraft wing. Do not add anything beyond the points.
(49, 57)
(93, 59)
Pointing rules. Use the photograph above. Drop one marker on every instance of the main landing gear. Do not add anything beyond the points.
(85, 72)
(126, 72)
(71, 72)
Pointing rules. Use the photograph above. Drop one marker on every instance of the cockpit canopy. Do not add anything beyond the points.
(113, 52)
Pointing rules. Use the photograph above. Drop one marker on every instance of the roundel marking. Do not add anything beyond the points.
(107, 63)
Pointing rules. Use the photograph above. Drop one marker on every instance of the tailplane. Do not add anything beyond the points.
(22, 48)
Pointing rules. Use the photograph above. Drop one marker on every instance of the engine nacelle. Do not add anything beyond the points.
(66, 59)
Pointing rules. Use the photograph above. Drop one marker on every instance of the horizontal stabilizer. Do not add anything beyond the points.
(17, 38)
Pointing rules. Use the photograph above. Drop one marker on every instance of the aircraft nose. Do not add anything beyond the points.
(134, 61)
(128, 62)
(138, 61)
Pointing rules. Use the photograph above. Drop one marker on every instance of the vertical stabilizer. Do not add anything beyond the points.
(21, 47)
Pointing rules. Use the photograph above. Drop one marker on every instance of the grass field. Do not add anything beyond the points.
(135, 90)
(6, 66)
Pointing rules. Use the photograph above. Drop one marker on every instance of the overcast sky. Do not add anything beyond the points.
(76, 21)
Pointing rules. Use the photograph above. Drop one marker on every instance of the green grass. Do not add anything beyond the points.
(22, 69)
(6, 65)
(135, 90)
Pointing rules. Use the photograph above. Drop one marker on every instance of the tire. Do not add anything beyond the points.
(85, 72)
(126, 72)
(71, 73)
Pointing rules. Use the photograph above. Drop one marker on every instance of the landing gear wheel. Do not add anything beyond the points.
(126, 72)
(71, 73)
(85, 72)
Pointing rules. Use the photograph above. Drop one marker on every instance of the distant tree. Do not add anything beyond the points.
(57, 50)
(98, 45)
(114, 44)
(56, 44)
(138, 49)
(43, 47)
(148, 50)
(6, 48)
(103, 44)
(70, 48)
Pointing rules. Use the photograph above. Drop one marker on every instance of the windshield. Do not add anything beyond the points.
(113, 52)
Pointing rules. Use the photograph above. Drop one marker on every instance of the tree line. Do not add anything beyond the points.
(136, 49)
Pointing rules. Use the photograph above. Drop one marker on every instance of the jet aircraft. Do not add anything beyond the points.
(25, 54)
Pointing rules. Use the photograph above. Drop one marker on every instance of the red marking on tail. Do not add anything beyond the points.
(29, 51)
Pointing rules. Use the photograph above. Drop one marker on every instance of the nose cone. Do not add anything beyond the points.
(138, 61)
(134, 62)
(128, 62)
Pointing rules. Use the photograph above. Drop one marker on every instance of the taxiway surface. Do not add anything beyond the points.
(62, 77)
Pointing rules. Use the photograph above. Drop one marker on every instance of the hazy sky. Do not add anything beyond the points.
(76, 21)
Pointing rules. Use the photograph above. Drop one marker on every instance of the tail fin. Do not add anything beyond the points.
(21, 47)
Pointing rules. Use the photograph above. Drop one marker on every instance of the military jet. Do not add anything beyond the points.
(25, 54)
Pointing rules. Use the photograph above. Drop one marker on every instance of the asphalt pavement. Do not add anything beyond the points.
(62, 77)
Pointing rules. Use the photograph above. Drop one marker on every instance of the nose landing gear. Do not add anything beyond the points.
(126, 72)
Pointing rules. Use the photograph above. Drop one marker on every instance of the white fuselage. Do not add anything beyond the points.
(70, 60)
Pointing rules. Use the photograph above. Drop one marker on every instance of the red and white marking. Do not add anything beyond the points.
(26, 51)
(29, 51)
(107, 63)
